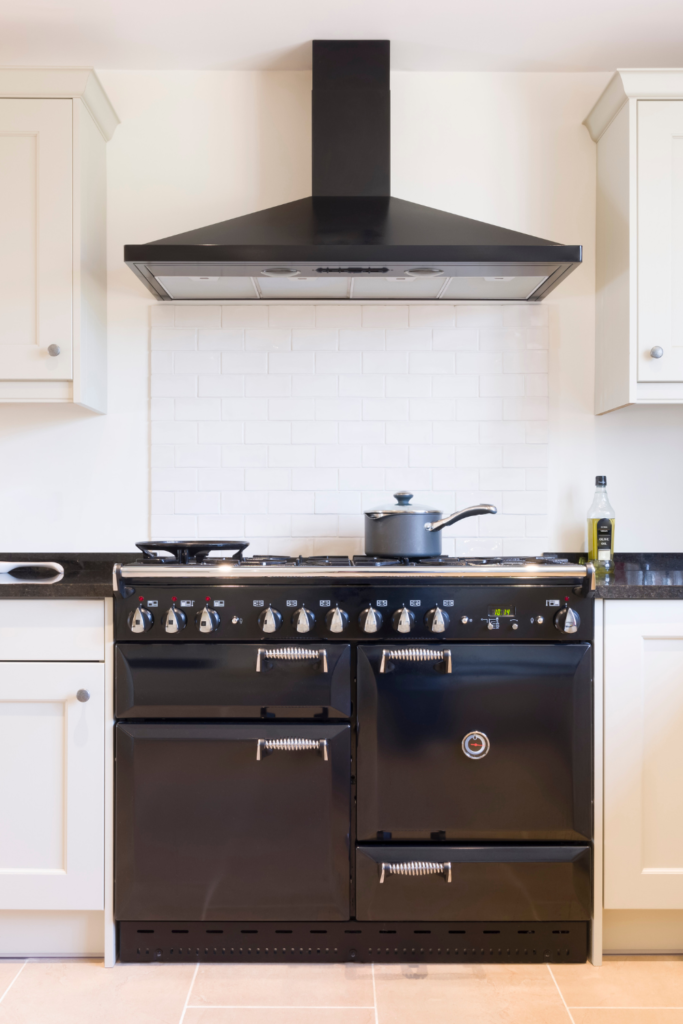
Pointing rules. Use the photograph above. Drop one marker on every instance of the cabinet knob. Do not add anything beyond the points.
(657, 352)
(83, 696)
(53, 350)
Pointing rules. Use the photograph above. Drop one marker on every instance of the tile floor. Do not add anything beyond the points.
(626, 990)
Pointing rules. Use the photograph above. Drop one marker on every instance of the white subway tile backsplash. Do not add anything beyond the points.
(361, 341)
(281, 423)
(220, 341)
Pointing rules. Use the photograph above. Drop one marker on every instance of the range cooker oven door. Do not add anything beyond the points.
(475, 742)
(245, 822)
(214, 680)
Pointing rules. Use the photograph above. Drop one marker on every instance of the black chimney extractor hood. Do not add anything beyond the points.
(351, 240)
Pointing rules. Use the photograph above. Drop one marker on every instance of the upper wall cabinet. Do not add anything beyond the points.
(638, 126)
(54, 126)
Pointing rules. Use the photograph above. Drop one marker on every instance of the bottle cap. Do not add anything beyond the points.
(601, 481)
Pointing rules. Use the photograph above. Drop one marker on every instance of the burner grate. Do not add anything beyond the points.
(334, 561)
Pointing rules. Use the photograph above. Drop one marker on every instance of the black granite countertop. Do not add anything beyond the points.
(640, 577)
(85, 575)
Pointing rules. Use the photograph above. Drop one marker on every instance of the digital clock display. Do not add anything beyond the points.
(501, 613)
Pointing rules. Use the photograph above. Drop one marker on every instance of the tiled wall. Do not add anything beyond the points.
(280, 424)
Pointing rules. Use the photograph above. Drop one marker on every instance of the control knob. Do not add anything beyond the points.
(567, 620)
(402, 620)
(303, 620)
(174, 620)
(140, 620)
(337, 620)
(207, 620)
(370, 620)
(270, 620)
(437, 620)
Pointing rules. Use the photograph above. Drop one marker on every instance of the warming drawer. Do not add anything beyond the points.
(208, 680)
(473, 883)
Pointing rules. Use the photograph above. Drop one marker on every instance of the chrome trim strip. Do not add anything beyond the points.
(226, 572)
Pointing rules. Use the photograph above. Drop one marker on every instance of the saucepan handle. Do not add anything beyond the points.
(473, 510)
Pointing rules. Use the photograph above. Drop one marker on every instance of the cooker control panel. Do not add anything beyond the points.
(294, 611)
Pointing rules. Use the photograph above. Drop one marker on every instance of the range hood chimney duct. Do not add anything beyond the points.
(351, 118)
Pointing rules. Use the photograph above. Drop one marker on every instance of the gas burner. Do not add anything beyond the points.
(265, 560)
(550, 560)
(439, 560)
(334, 561)
(378, 561)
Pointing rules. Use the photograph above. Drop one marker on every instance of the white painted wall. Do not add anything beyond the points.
(197, 147)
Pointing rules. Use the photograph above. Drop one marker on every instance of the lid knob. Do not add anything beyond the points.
(403, 497)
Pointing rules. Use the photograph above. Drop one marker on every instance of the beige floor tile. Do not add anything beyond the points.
(283, 1016)
(467, 994)
(8, 972)
(329, 985)
(633, 983)
(624, 1016)
(82, 992)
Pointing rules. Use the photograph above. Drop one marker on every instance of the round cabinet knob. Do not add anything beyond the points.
(53, 350)
(303, 620)
(83, 696)
(567, 620)
(140, 620)
(657, 352)
(270, 620)
(402, 620)
(370, 620)
(174, 620)
(436, 620)
(336, 620)
(207, 620)
(476, 745)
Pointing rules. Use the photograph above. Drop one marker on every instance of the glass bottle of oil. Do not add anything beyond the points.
(601, 529)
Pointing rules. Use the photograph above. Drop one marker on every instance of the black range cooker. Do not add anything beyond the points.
(333, 759)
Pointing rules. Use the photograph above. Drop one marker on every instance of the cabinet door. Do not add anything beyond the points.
(643, 755)
(660, 239)
(51, 786)
(35, 238)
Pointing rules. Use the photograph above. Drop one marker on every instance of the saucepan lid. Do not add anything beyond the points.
(402, 505)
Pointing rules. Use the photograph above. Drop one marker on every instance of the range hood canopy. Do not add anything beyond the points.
(351, 240)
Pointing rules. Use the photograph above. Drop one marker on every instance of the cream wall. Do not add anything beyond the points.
(195, 148)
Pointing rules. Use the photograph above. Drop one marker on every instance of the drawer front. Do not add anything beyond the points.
(53, 630)
(212, 824)
(526, 710)
(473, 883)
(232, 681)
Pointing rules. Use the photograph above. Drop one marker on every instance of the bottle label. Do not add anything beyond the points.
(604, 535)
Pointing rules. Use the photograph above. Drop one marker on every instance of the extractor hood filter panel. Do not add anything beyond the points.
(351, 240)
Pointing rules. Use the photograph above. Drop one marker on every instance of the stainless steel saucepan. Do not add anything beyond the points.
(408, 531)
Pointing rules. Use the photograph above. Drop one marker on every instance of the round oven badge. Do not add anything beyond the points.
(476, 745)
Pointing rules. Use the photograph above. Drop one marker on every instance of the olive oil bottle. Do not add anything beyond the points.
(601, 529)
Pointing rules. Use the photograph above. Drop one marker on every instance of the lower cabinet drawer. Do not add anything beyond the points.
(473, 883)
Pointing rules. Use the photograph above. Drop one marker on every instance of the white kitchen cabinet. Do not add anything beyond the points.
(643, 755)
(51, 786)
(54, 125)
(638, 126)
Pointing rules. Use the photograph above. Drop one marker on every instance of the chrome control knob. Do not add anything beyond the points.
(437, 620)
(270, 620)
(337, 620)
(174, 620)
(370, 620)
(303, 620)
(491, 625)
(402, 620)
(464, 620)
(567, 620)
(140, 620)
(207, 620)
(515, 625)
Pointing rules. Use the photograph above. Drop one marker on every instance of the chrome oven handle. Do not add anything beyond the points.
(416, 868)
(290, 654)
(292, 744)
(417, 654)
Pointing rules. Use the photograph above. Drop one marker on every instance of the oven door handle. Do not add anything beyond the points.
(416, 654)
(416, 868)
(292, 744)
(290, 654)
